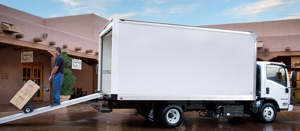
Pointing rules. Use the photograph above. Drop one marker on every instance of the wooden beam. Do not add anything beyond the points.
(40, 52)
(52, 43)
(266, 49)
(88, 51)
(24, 49)
(78, 48)
(43, 47)
(9, 28)
(6, 46)
(35, 51)
(38, 39)
(10, 24)
(96, 53)
(65, 46)
(18, 36)
(20, 48)
(78, 54)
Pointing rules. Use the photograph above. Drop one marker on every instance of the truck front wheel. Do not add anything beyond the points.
(268, 113)
(172, 116)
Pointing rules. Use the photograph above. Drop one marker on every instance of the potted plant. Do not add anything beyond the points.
(69, 79)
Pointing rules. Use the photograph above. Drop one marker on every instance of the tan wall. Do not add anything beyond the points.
(275, 35)
(84, 78)
(11, 64)
(77, 26)
(87, 26)
(12, 67)
(21, 15)
(99, 23)
(268, 28)
(32, 30)
(279, 43)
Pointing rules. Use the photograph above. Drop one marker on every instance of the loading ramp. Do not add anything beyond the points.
(48, 108)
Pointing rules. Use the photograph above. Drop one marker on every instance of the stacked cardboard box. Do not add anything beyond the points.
(24, 94)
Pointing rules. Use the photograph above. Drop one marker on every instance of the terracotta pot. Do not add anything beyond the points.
(64, 98)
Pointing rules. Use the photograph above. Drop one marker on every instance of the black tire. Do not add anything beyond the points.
(27, 108)
(158, 114)
(172, 116)
(267, 113)
(145, 114)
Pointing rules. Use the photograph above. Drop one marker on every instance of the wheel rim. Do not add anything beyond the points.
(173, 116)
(268, 113)
(27, 110)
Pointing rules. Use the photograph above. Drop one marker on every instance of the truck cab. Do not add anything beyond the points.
(273, 90)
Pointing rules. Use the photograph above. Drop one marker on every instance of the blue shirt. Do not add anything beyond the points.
(60, 62)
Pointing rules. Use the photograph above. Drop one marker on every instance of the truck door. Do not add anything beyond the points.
(276, 85)
(106, 49)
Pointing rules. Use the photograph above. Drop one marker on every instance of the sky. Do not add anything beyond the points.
(183, 12)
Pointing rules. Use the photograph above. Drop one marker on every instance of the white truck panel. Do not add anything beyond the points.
(106, 74)
(168, 62)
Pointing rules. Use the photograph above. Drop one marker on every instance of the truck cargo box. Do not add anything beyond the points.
(153, 61)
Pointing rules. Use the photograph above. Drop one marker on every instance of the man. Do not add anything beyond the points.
(58, 76)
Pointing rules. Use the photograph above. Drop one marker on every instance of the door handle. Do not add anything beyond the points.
(267, 90)
(286, 90)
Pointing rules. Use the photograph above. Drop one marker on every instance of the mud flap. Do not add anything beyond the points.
(290, 108)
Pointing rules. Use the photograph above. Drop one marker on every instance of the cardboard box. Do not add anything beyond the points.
(19, 100)
(24, 94)
(30, 88)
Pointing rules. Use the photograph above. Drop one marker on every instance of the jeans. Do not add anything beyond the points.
(57, 83)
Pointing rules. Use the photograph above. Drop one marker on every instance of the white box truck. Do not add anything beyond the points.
(164, 70)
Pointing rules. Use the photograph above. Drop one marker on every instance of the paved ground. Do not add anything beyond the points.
(82, 117)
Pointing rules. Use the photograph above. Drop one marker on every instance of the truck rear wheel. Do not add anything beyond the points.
(172, 116)
(268, 113)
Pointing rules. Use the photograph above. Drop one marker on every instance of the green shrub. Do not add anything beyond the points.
(69, 78)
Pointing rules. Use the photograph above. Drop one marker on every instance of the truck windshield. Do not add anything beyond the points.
(277, 74)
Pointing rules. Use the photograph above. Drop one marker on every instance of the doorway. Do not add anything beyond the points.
(34, 72)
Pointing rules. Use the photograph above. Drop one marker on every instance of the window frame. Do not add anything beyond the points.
(280, 68)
